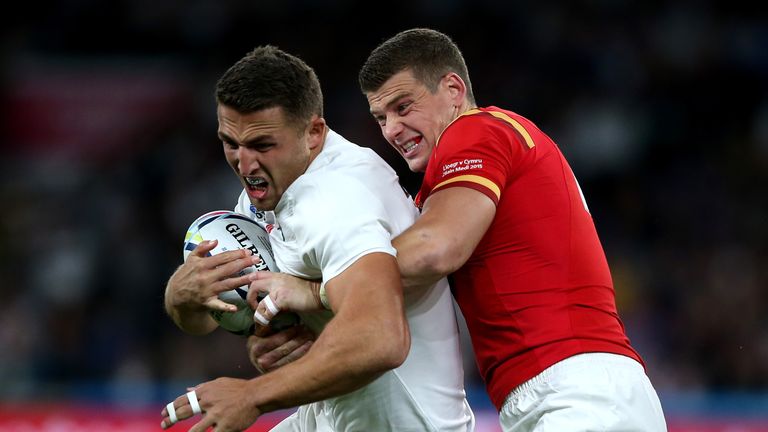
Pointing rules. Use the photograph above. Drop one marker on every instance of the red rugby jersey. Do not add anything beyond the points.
(537, 289)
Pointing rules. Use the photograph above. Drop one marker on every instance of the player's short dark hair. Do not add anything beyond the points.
(268, 77)
(428, 53)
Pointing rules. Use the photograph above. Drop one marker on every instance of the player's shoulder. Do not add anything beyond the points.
(343, 195)
(330, 187)
(343, 152)
(344, 167)
(486, 117)
(487, 125)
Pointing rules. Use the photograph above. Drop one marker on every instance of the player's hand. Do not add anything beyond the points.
(285, 292)
(196, 284)
(269, 351)
(224, 403)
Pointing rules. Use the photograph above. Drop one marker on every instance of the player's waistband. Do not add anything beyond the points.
(585, 358)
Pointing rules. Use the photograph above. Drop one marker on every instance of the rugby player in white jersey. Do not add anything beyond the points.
(381, 362)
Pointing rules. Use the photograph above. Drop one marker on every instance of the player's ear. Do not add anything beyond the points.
(316, 131)
(455, 86)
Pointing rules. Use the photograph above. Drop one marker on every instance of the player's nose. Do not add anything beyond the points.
(248, 161)
(392, 129)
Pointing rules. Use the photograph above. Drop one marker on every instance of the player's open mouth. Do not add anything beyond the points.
(411, 145)
(257, 186)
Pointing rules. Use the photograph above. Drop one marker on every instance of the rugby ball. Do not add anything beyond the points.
(235, 231)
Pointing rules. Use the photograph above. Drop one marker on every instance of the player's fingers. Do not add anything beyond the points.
(263, 285)
(265, 311)
(169, 416)
(194, 402)
(300, 332)
(293, 355)
(286, 346)
(202, 249)
(203, 425)
(289, 293)
(253, 296)
(182, 413)
(262, 332)
(216, 287)
(209, 262)
(258, 288)
(233, 266)
(214, 303)
(271, 305)
(252, 350)
(259, 284)
(165, 423)
(231, 283)
(261, 279)
(300, 338)
(176, 411)
(266, 342)
(260, 319)
(261, 275)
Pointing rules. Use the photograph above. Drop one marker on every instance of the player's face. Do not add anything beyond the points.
(411, 117)
(267, 153)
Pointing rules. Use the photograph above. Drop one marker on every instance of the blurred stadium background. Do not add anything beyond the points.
(109, 151)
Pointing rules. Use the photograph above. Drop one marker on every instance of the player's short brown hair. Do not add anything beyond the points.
(428, 53)
(268, 77)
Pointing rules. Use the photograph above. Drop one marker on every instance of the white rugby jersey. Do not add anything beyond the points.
(347, 204)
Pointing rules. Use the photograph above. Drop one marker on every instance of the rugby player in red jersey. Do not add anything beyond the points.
(504, 215)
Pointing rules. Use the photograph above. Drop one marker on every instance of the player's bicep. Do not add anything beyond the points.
(457, 218)
(368, 298)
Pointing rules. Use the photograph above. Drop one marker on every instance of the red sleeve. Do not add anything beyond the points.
(479, 150)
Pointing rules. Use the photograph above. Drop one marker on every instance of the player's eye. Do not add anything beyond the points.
(381, 120)
(403, 108)
(263, 147)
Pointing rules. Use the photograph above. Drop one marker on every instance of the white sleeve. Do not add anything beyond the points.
(341, 224)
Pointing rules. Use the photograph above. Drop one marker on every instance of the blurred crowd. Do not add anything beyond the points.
(109, 151)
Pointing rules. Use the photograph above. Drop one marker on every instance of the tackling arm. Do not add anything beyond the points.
(442, 240)
(452, 223)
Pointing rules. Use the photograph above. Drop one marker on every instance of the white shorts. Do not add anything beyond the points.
(319, 417)
(307, 418)
(586, 392)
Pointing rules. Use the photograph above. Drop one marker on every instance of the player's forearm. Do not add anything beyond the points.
(421, 258)
(348, 355)
(368, 336)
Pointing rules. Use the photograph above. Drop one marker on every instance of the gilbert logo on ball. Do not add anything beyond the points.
(233, 231)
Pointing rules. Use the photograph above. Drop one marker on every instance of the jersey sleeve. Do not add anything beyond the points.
(341, 225)
(479, 151)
